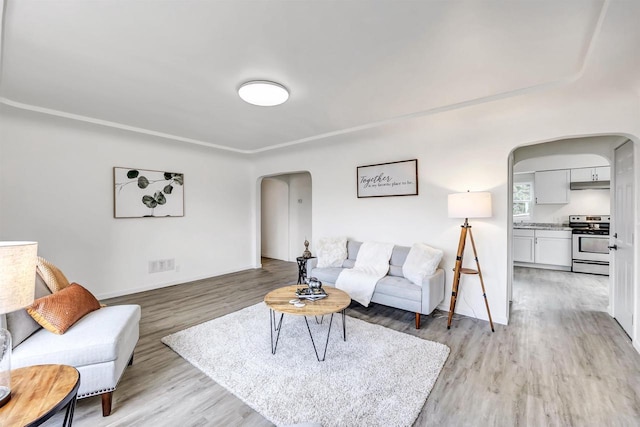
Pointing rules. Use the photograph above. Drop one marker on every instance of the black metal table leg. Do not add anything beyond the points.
(273, 328)
(324, 355)
(68, 416)
(344, 325)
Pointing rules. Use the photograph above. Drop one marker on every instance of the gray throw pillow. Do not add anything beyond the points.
(19, 323)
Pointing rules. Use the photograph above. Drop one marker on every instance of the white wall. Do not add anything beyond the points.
(457, 150)
(582, 202)
(56, 187)
(275, 218)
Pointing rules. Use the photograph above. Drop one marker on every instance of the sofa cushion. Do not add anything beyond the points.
(353, 248)
(331, 251)
(399, 287)
(19, 323)
(59, 311)
(52, 276)
(399, 255)
(422, 261)
(326, 275)
(93, 339)
(349, 263)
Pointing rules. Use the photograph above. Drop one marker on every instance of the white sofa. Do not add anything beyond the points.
(100, 345)
(394, 289)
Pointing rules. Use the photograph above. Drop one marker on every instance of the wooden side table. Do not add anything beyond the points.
(302, 268)
(38, 393)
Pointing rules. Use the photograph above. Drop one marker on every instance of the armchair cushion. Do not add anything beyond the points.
(94, 339)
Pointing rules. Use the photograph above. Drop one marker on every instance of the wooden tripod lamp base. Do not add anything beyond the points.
(468, 205)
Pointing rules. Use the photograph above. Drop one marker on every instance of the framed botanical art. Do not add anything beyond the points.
(388, 179)
(140, 193)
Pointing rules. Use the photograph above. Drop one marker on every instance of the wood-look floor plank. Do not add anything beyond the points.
(561, 361)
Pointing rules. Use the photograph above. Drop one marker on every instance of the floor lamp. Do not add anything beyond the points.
(468, 205)
(17, 286)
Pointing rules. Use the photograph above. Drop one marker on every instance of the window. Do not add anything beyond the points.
(522, 199)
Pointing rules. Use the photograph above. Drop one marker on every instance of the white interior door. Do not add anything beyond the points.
(623, 237)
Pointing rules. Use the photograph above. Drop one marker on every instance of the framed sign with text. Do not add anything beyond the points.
(388, 179)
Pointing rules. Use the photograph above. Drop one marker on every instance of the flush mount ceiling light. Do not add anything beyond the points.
(263, 93)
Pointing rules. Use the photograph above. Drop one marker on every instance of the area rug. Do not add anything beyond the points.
(378, 377)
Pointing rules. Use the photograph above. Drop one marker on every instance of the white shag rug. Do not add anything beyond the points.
(378, 377)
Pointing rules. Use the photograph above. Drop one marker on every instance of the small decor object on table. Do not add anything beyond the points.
(307, 253)
(311, 294)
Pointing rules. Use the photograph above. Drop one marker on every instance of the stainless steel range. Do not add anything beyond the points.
(590, 239)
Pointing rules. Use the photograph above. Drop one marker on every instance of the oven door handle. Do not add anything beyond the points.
(614, 247)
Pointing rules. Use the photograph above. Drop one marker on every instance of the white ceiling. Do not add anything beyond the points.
(172, 68)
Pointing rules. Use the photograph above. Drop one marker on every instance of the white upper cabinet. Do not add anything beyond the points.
(602, 173)
(552, 187)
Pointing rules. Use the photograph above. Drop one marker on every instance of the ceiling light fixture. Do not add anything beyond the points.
(263, 93)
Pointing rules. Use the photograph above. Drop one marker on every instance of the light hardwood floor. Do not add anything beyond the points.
(562, 361)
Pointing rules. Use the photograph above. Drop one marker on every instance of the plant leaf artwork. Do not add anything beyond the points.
(146, 193)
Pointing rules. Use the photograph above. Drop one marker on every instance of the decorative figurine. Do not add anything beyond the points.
(314, 283)
(306, 253)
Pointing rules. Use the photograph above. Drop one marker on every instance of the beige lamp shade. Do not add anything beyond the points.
(17, 274)
(470, 205)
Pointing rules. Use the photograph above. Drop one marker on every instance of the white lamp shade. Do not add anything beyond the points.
(17, 274)
(470, 205)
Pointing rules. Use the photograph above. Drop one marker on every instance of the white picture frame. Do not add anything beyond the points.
(143, 193)
(388, 179)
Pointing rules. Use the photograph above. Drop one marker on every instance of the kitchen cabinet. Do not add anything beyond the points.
(540, 248)
(523, 245)
(553, 247)
(602, 173)
(552, 187)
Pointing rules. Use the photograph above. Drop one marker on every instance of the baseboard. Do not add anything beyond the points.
(636, 345)
(160, 285)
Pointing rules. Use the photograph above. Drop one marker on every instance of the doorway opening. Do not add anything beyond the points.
(554, 183)
(285, 215)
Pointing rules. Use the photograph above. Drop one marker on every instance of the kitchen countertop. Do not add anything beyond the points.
(540, 226)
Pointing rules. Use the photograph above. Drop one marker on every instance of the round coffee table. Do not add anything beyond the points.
(38, 393)
(278, 300)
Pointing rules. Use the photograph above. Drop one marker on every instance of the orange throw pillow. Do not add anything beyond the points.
(59, 311)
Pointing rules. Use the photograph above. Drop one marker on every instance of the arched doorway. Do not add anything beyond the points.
(573, 155)
(285, 215)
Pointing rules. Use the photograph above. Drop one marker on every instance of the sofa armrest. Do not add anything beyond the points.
(311, 264)
(432, 291)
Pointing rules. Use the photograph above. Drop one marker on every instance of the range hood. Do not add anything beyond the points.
(590, 185)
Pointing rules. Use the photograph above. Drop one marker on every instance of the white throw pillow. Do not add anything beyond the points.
(331, 251)
(421, 261)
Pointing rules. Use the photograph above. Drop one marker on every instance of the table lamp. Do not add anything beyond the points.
(17, 286)
(467, 205)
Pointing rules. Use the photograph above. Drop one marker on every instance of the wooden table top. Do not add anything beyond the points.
(335, 301)
(37, 392)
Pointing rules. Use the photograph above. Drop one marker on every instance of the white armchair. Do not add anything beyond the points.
(100, 345)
